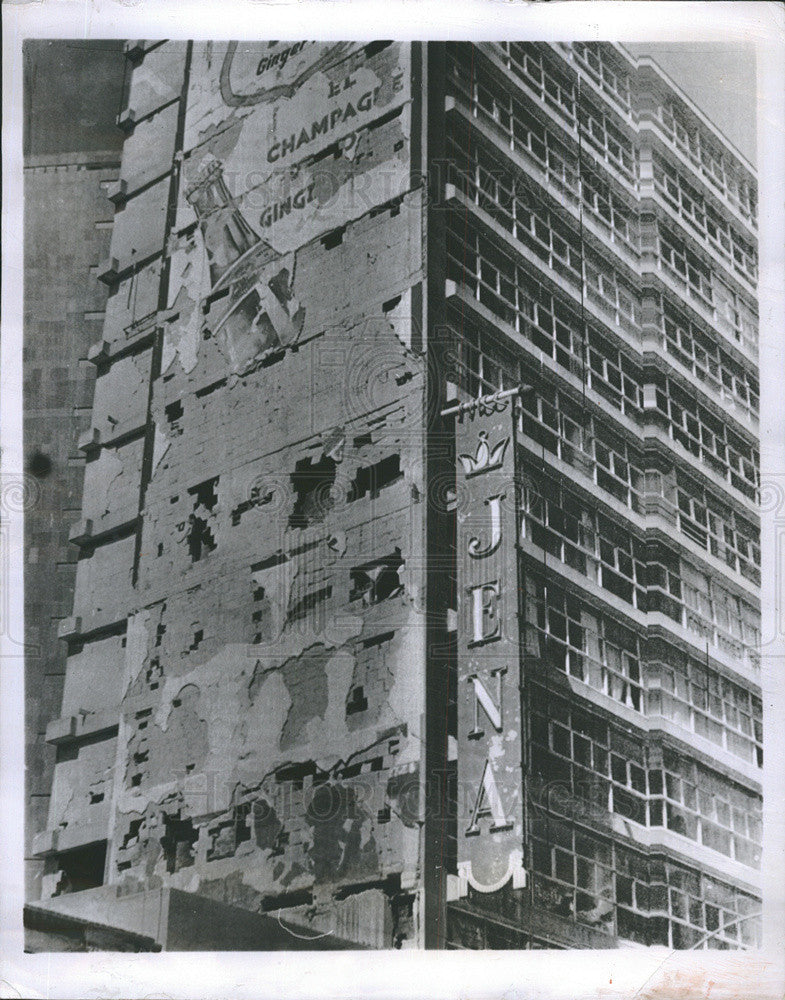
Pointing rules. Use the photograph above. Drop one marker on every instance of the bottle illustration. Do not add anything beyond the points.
(250, 305)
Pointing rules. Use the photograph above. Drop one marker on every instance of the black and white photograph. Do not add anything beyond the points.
(393, 503)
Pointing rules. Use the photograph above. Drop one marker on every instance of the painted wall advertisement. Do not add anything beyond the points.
(284, 141)
(306, 134)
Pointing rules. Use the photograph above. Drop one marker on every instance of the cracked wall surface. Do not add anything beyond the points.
(250, 582)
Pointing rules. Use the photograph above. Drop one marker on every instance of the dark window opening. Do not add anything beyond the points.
(178, 843)
(312, 482)
(258, 498)
(82, 868)
(301, 608)
(198, 636)
(377, 640)
(376, 581)
(132, 836)
(205, 494)
(334, 238)
(174, 412)
(200, 538)
(374, 478)
(357, 702)
(262, 616)
(208, 389)
(153, 673)
(230, 833)
(375, 47)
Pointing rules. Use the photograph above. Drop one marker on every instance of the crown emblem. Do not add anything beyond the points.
(486, 458)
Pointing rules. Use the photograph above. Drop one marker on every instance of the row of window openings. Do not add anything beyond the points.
(719, 536)
(705, 359)
(576, 886)
(611, 468)
(711, 164)
(507, 109)
(552, 88)
(616, 470)
(730, 313)
(508, 291)
(615, 672)
(576, 540)
(653, 796)
(672, 587)
(595, 60)
(553, 329)
(497, 282)
(489, 184)
(733, 317)
(690, 205)
(705, 436)
(567, 623)
(605, 655)
(502, 286)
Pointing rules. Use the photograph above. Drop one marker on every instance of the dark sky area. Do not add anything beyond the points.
(72, 93)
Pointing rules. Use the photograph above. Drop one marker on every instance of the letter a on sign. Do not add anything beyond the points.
(487, 803)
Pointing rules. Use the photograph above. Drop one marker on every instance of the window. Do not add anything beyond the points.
(692, 694)
(712, 525)
(704, 154)
(696, 429)
(581, 641)
(705, 807)
(706, 359)
(570, 529)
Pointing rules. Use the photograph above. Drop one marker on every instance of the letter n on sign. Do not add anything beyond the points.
(490, 776)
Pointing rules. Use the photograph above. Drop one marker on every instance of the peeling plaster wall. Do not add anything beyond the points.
(271, 680)
(94, 676)
(112, 485)
(120, 403)
(103, 584)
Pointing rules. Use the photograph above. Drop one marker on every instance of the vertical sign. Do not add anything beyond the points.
(490, 777)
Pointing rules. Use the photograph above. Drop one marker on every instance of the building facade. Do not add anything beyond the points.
(418, 591)
(68, 224)
(63, 315)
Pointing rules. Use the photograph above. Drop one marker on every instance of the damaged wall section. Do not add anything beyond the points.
(269, 746)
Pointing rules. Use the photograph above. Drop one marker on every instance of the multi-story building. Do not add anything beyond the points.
(68, 221)
(418, 592)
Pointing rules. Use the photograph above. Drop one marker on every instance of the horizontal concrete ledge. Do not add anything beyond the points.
(48, 930)
(72, 728)
(98, 352)
(90, 441)
(108, 271)
(81, 532)
(86, 533)
(186, 921)
(66, 838)
(69, 627)
(95, 158)
(134, 49)
(117, 191)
